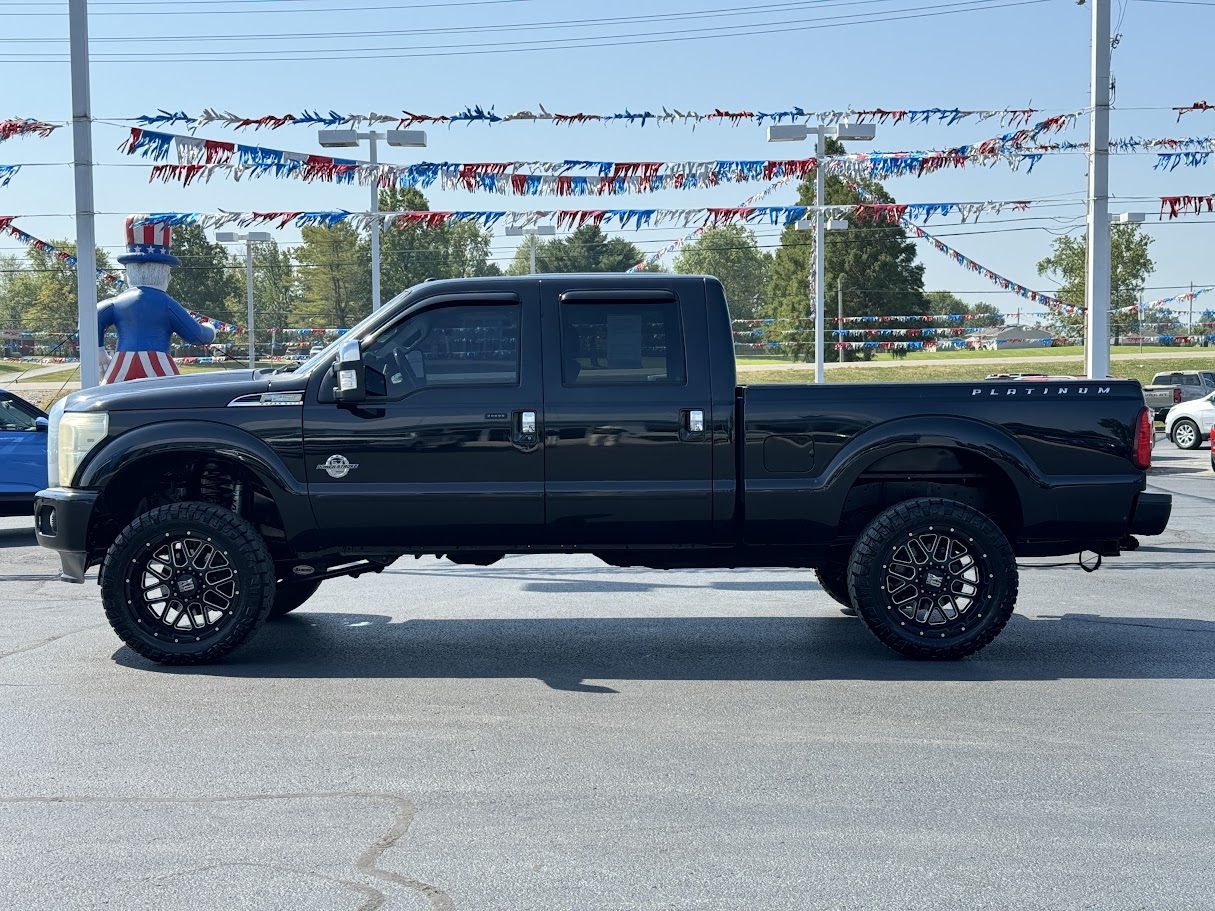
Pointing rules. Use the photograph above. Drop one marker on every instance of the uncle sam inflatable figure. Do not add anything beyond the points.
(144, 315)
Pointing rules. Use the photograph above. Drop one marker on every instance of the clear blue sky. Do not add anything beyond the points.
(991, 55)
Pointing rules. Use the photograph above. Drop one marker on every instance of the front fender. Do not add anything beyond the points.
(208, 438)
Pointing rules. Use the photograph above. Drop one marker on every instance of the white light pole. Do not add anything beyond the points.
(82, 166)
(542, 230)
(832, 224)
(251, 238)
(798, 132)
(346, 139)
(1097, 260)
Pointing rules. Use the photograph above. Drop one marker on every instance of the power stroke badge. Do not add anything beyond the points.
(337, 466)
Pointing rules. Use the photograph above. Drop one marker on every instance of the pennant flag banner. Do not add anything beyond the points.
(1163, 302)
(481, 115)
(7, 173)
(1180, 205)
(1191, 108)
(11, 128)
(888, 213)
(675, 245)
(6, 227)
(199, 160)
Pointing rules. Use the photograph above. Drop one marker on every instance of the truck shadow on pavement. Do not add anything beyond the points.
(567, 653)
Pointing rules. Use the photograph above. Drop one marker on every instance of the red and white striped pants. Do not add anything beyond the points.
(136, 365)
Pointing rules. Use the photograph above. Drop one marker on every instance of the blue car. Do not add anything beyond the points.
(22, 454)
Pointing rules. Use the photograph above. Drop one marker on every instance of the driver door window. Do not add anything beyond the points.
(14, 417)
(457, 345)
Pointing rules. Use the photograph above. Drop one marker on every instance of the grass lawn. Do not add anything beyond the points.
(911, 372)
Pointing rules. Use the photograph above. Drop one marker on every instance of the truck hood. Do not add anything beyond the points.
(188, 391)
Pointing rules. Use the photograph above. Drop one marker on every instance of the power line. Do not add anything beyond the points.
(966, 6)
(723, 12)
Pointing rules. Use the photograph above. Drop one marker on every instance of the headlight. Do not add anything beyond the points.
(72, 436)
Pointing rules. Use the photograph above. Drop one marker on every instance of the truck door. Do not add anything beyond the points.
(446, 448)
(628, 445)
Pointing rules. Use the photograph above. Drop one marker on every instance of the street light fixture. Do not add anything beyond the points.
(797, 132)
(542, 230)
(250, 238)
(347, 139)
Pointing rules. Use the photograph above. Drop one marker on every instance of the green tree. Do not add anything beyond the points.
(410, 253)
(587, 249)
(731, 254)
(877, 263)
(944, 303)
(208, 279)
(1130, 267)
(41, 297)
(274, 292)
(334, 278)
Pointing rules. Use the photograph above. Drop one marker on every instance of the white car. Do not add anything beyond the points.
(1189, 424)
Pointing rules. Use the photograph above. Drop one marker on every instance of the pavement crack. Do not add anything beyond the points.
(367, 861)
(51, 640)
(374, 897)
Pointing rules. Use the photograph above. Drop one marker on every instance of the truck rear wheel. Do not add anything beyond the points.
(833, 579)
(187, 583)
(933, 579)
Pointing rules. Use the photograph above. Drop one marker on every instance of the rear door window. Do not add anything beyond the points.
(626, 343)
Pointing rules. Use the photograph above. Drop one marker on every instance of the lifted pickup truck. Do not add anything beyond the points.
(600, 414)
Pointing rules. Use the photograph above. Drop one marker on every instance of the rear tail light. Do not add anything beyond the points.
(1176, 395)
(1143, 441)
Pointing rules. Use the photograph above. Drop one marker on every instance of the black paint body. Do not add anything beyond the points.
(780, 475)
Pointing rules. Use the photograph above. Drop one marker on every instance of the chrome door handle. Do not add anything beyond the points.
(527, 422)
(696, 421)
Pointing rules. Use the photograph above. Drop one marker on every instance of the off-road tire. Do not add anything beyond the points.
(217, 572)
(1185, 434)
(833, 579)
(288, 595)
(959, 595)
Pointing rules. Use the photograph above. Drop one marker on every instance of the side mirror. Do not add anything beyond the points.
(41, 425)
(351, 380)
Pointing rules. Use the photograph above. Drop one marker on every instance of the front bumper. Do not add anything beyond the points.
(61, 522)
(1151, 515)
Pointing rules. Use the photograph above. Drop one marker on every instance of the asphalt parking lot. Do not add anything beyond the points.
(547, 733)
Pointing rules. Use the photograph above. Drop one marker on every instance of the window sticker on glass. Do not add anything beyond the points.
(624, 341)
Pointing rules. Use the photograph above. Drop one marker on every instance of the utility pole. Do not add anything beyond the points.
(839, 288)
(82, 168)
(1097, 261)
(1190, 325)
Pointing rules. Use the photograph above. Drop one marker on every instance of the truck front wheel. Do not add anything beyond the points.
(933, 579)
(187, 583)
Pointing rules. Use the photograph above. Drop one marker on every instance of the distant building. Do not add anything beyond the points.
(1009, 337)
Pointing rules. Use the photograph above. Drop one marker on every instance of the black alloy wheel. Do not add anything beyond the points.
(933, 579)
(187, 583)
(833, 579)
(1186, 434)
(290, 594)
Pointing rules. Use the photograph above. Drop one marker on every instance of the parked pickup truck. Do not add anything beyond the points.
(1175, 387)
(597, 414)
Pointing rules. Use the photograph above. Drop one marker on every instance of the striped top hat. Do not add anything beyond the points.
(147, 243)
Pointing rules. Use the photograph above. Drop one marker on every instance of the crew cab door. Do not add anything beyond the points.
(446, 449)
(628, 445)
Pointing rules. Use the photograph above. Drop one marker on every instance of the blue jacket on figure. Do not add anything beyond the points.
(146, 319)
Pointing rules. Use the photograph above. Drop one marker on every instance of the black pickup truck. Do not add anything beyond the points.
(600, 414)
